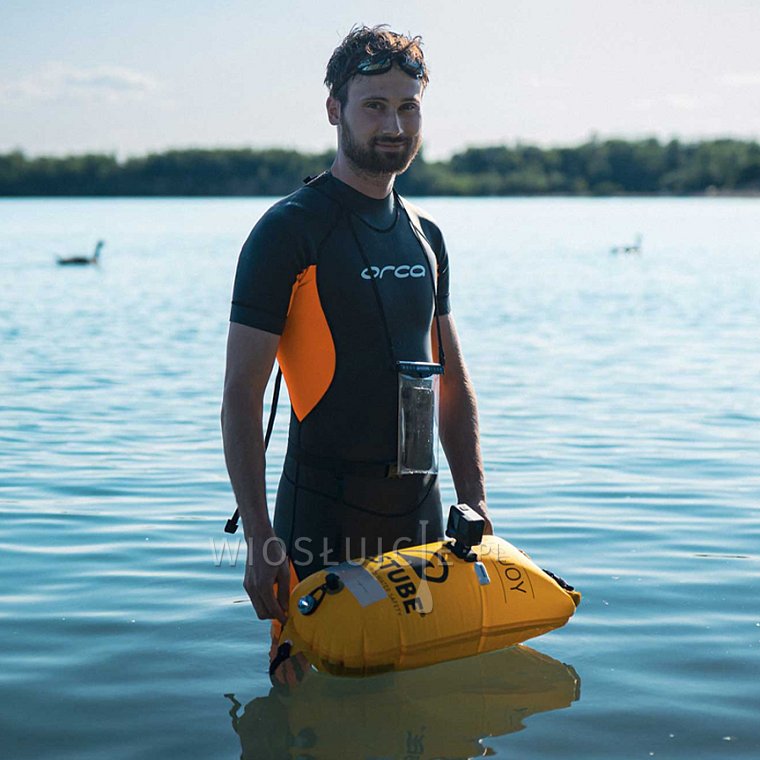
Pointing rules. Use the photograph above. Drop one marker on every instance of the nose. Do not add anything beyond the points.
(392, 126)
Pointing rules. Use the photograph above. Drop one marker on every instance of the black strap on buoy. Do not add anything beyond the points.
(561, 582)
(231, 525)
(283, 653)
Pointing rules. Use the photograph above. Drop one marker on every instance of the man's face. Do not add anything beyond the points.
(380, 126)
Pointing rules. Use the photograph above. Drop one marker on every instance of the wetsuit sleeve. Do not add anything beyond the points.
(437, 243)
(271, 259)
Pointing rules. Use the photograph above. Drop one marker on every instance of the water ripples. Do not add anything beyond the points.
(621, 437)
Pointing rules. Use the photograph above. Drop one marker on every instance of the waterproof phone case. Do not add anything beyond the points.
(418, 417)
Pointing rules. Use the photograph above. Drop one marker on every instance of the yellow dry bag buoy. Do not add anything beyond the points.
(424, 604)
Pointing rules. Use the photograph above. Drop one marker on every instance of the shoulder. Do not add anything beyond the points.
(428, 223)
(292, 229)
(299, 214)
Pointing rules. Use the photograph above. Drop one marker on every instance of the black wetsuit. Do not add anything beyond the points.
(305, 273)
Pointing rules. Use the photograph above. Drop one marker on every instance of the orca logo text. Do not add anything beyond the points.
(401, 272)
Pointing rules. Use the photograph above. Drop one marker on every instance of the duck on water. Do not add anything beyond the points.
(82, 260)
(635, 248)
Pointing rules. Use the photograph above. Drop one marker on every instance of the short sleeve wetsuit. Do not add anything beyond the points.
(305, 273)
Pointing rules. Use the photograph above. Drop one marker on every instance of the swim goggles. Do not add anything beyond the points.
(383, 62)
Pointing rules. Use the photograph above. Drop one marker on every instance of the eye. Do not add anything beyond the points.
(410, 107)
(373, 104)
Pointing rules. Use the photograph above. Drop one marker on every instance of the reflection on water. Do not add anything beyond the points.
(446, 710)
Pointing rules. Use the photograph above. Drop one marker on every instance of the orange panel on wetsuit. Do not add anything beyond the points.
(307, 352)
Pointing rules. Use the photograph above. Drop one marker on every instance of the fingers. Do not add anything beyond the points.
(482, 510)
(269, 604)
(286, 674)
(292, 671)
(266, 604)
(268, 566)
(262, 596)
(275, 606)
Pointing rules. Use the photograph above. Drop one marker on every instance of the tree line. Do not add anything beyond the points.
(597, 167)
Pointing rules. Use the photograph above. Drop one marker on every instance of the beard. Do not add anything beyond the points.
(369, 160)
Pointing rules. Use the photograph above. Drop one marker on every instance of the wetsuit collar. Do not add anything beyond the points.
(376, 211)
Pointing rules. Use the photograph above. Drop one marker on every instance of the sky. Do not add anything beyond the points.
(82, 76)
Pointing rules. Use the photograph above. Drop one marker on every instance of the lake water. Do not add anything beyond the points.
(621, 433)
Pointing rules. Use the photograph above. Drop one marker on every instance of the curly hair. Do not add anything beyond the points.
(363, 41)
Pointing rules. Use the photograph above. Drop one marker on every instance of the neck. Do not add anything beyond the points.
(372, 185)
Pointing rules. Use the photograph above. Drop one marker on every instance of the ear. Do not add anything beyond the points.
(333, 110)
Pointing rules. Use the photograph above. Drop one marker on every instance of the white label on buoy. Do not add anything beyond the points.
(482, 573)
(360, 582)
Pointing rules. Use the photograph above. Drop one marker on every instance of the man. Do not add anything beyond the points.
(344, 282)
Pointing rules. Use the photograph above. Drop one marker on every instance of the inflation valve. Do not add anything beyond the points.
(308, 604)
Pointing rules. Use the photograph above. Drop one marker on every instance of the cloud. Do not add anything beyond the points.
(678, 101)
(59, 81)
(740, 79)
(546, 82)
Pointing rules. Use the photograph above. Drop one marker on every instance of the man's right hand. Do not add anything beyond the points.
(267, 565)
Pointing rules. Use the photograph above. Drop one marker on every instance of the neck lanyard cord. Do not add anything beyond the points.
(421, 241)
(375, 288)
(419, 236)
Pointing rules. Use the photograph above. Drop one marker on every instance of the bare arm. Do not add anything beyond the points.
(459, 424)
(250, 357)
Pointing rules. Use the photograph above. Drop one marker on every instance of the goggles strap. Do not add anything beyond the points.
(384, 63)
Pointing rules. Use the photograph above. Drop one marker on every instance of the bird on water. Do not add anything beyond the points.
(82, 260)
(635, 248)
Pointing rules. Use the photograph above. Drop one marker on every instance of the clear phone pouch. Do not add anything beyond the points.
(418, 385)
